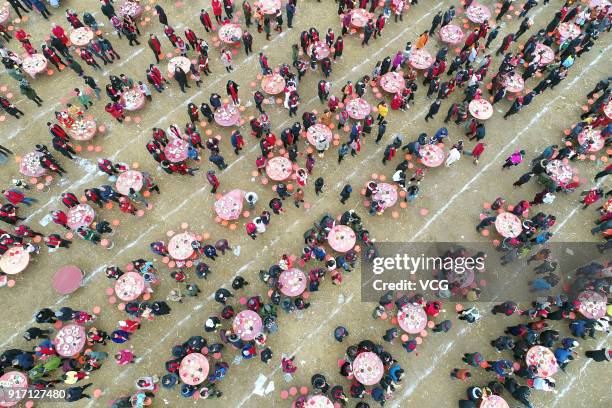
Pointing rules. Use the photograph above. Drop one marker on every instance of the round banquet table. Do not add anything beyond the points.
(559, 172)
(70, 340)
(30, 165)
(358, 108)
(129, 179)
(387, 193)
(478, 13)
(321, 50)
(183, 62)
(368, 368)
(67, 279)
(360, 17)
(292, 282)
(481, 109)
(4, 14)
(451, 34)
(268, 6)
(273, 84)
(341, 238)
(130, 8)
(81, 36)
(34, 64)
(592, 305)
(16, 381)
(594, 137)
(194, 369)
(567, 30)
(81, 215)
(318, 401)
(179, 246)
(230, 33)
(229, 206)
(543, 359)
(514, 84)
(279, 168)
(463, 280)
(227, 115)
(14, 260)
(248, 325)
(508, 225)
(83, 129)
(432, 155)
(420, 59)
(133, 99)
(176, 150)
(412, 318)
(129, 286)
(546, 54)
(493, 401)
(608, 110)
(392, 82)
(318, 134)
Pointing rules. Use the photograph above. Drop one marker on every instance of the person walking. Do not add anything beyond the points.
(345, 194)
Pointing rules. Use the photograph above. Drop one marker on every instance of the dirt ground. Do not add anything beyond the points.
(451, 198)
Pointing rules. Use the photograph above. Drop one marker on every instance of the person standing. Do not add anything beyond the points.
(345, 194)
(290, 9)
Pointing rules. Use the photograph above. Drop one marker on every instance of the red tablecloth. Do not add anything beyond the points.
(592, 305)
(368, 368)
(176, 150)
(230, 33)
(560, 172)
(30, 165)
(129, 179)
(15, 381)
(133, 99)
(81, 215)
(514, 83)
(81, 36)
(387, 193)
(268, 6)
(129, 286)
(451, 34)
(542, 358)
(412, 319)
(360, 17)
(194, 369)
(247, 325)
(420, 59)
(14, 260)
(432, 155)
(183, 62)
(130, 8)
(229, 206)
(321, 50)
(594, 137)
(179, 246)
(34, 64)
(508, 225)
(273, 84)
(292, 282)
(392, 82)
(358, 108)
(481, 109)
(478, 13)
(70, 340)
(279, 168)
(341, 238)
(67, 279)
(227, 115)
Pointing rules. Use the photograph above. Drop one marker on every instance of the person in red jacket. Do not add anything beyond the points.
(155, 46)
(217, 10)
(116, 111)
(205, 20)
(60, 218)
(212, 180)
(16, 197)
(58, 131)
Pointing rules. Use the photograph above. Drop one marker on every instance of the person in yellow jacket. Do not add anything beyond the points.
(383, 110)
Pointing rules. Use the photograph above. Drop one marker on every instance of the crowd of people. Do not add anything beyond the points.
(473, 71)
